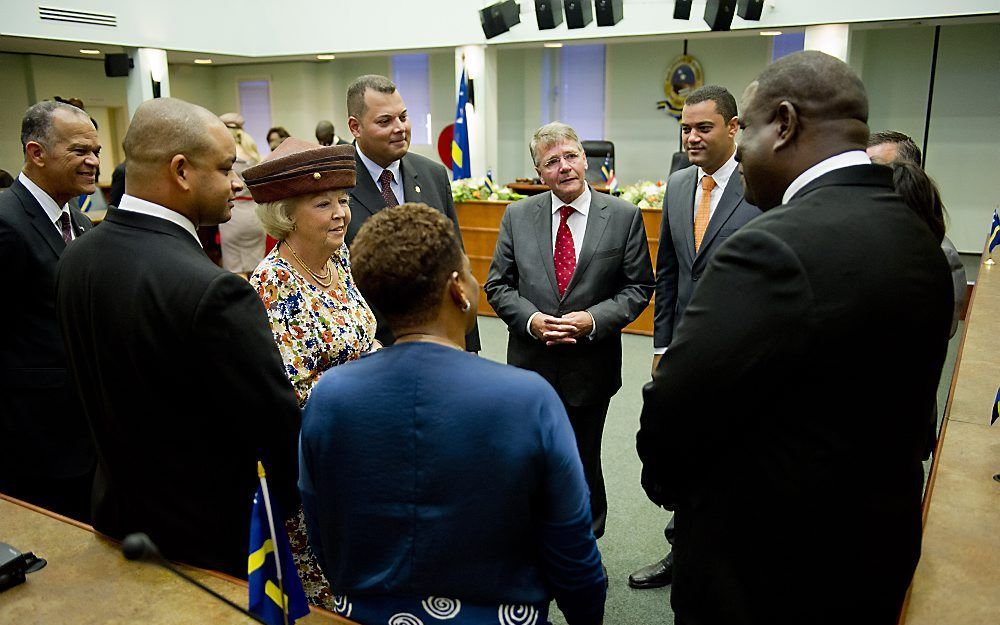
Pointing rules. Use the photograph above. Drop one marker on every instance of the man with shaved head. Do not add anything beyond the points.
(326, 135)
(173, 356)
(795, 390)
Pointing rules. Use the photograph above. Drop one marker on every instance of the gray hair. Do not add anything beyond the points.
(37, 123)
(551, 134)
(906, 149)
(276, 217)
(356, 92)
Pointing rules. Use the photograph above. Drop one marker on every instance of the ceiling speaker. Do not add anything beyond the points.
(579, 13)
(549, 13)
(719, 14)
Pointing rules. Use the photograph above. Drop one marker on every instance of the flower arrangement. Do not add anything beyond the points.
(644, 194)
(476, 189)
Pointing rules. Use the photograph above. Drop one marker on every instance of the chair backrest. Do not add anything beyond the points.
(598, 153)
(679, 161)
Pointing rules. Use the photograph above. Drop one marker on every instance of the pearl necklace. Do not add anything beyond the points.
(319, 279)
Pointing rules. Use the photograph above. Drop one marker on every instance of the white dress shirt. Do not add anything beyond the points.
(376, 172)
(838, 161)
(577, 223)
(52, 210)
(136, 205)
(722, 176)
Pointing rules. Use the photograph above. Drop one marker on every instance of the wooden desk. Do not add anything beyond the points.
(958, 578)
(479, 222)
(88, 582)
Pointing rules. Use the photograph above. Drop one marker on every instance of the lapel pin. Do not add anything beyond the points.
(417, 189)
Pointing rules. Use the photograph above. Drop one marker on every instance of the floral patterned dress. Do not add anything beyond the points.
(314, 330)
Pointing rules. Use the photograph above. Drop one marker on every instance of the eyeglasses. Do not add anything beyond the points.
(570, 157)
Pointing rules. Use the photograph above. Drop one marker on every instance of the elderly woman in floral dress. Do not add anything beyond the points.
(318, 317)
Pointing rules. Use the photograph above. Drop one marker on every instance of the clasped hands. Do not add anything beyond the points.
(563, 330)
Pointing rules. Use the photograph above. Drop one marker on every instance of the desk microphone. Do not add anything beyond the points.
(139, 547)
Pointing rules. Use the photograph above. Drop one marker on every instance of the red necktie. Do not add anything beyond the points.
(564, 256)
(67, 230)
(384, 181)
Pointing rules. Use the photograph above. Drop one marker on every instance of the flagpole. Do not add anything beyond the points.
(274, 539)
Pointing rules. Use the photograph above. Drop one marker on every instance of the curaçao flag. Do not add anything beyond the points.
(272, 594)
(460, 167)
(994, 239)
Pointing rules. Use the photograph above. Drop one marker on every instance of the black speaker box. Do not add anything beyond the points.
(116, 65)
(549, 13)
(682, 9)
(609, 12)
(750, 9)
(579, 13)
(499, 18)
(719, 14)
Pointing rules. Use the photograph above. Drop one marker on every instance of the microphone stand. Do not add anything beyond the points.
(140, 547)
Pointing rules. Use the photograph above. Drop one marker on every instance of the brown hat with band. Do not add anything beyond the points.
(298, 167)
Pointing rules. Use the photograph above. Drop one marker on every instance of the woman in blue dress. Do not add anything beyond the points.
(439, 486)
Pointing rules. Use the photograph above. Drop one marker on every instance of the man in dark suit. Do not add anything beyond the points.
(182, 383)
(388, 175)
(48, 456)
(570, 270)
(326, 135)
(702, 207)
(798, 381)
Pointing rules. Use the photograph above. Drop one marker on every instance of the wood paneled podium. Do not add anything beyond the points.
(88, 582)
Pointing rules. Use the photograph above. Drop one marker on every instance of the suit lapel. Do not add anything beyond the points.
(543, 234)
(39, 220)
(365, 195)
(597, 222)
(730, 199)
(687, 192)
(411, 181)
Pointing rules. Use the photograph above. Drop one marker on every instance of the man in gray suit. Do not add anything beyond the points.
(570, 270)
(388, 175)
(703, 206)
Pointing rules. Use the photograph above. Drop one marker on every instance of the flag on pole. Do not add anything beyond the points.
(460, 167)
(996, 408)
(276, 594)
(609, 174)
(489, 182)
(994, 239)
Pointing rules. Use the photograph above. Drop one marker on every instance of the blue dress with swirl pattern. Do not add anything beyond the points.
(440, 487)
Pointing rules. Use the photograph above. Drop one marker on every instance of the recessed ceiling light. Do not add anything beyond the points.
(82, 51)
(770, 33)
(554, 44)
(326, 57)
(203, 61)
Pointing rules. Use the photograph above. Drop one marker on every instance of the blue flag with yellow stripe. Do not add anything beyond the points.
(994, 239)
(265, 587)
(460, 167)
(996, 408)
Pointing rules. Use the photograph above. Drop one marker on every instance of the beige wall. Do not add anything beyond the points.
(894, 63)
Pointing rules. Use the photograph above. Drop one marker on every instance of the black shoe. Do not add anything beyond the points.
(654, 575)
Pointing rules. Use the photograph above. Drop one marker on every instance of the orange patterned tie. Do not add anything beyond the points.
(704, 208)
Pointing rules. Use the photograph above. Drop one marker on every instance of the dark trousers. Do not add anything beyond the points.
(588, 427)
(68, 496)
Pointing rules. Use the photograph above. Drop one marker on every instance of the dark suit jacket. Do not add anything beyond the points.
(423, 181)
(678, 268)
(183, 386)
(117, 185)
(796, 388)
(41, 418)
(613, 281)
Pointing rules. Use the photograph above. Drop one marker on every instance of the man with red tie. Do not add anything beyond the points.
(570, 270)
